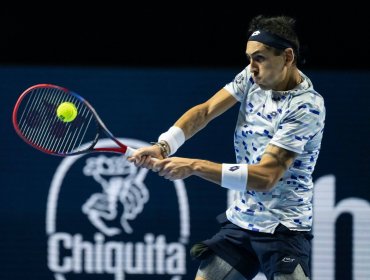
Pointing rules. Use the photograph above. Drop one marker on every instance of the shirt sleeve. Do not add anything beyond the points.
(301, 124)
(241, 84)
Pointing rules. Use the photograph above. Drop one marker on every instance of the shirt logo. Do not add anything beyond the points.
(273, 114)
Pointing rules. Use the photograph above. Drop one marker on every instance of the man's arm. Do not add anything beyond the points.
(190, 123)
(261, 177)
(199, 116)
(274, 162)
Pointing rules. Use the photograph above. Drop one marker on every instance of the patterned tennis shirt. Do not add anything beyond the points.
(293, 120)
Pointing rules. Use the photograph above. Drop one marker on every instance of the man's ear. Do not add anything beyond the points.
(289, 56)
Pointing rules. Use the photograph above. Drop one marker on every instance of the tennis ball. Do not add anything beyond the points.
(67, 111)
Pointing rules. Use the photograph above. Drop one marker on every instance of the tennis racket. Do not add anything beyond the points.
(35, 120)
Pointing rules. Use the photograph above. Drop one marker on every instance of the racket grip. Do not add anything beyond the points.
(130, 151)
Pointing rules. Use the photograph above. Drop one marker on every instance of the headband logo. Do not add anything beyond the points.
(256, 33)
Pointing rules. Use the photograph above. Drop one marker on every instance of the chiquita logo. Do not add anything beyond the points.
(107, 218)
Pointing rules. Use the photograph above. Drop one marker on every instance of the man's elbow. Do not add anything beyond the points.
(267, 184)
(271, 184)
(263, 178)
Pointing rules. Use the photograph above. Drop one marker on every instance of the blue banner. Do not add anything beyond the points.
(96, 216)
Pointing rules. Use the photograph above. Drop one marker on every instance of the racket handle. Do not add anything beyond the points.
(130, 151)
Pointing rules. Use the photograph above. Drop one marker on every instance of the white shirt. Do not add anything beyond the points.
(293, 120)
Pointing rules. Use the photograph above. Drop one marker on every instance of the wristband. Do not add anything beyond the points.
(174, 137)
(234, 176)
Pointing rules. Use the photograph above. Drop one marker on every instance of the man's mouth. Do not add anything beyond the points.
(256, 79)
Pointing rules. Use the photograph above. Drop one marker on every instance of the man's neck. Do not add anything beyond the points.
(293, 79)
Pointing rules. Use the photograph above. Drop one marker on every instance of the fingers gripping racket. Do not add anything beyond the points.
(36, 121)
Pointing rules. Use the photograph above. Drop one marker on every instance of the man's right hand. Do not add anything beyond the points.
(143, 157)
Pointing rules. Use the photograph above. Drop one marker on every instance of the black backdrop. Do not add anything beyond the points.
(176, 34)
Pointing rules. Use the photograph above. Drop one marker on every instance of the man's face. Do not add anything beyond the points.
(268, 69)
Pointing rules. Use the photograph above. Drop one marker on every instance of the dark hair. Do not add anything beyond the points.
(282, 26)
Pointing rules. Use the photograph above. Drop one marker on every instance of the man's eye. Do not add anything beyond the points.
(259, 58)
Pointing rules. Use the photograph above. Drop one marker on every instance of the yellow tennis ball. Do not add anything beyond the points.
(67, 111)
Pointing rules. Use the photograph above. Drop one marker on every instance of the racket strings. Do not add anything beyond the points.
(40, 124)
(44, 111)
(35, 117)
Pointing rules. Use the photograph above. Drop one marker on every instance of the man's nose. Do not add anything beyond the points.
(254, 67)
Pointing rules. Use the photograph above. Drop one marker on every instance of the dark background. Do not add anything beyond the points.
(176, 34)
(140, 104)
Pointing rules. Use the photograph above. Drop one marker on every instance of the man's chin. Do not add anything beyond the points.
(264, 87)
(258, 82)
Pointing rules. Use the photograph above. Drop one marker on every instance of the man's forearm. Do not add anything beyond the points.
(208, 170)
(260, 178)
(193, 120)
(199, 116)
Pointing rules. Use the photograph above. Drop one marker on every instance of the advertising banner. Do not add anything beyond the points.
(97, 216)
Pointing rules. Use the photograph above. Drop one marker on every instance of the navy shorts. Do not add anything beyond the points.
(250, 252)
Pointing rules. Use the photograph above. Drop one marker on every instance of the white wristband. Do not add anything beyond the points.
(175, 137)
(234, 176)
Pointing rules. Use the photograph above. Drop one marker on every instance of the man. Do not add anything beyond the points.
(277, 142)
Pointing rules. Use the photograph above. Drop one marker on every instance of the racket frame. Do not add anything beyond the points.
(101, 127)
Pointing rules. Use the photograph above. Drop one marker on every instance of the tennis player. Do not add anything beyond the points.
(277, 143)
